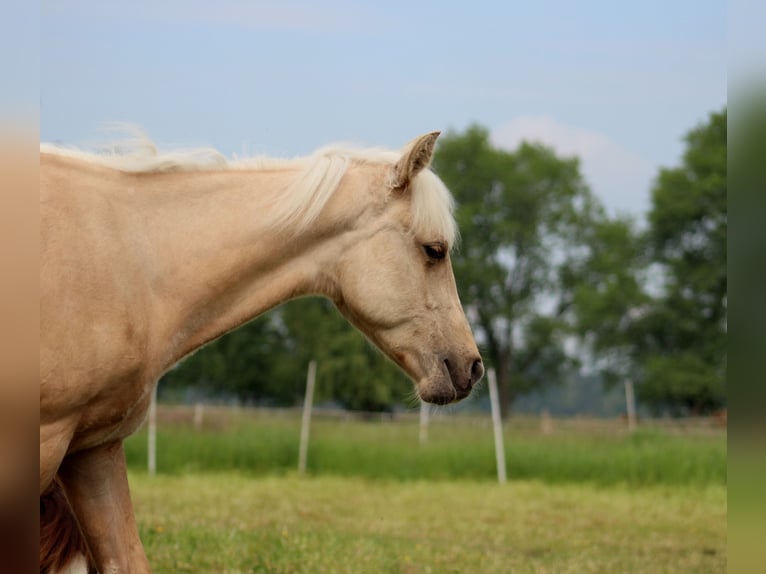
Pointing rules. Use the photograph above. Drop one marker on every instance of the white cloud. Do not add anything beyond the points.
(621, 178)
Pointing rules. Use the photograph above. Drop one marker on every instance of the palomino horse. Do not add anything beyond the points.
(146, 257)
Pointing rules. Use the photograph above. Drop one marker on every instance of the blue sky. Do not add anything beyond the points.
(615, 83)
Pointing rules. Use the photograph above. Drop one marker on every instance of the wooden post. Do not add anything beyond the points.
(630, 401)
(425, 412)
(497, 423)
(199, 414)
(152, 434)
(306, 420)
(546, 422)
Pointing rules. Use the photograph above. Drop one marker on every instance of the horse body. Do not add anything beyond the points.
(140, 267)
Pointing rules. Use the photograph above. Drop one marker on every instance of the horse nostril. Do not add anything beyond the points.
(477, 371)
(459, 381)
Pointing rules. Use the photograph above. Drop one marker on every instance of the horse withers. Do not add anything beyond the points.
(146, 257)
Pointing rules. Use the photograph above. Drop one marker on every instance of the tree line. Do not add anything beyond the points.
(551, 283)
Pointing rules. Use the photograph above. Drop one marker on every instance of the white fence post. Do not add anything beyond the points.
(425, 413)
(306, 420)
(152, 434)
(630, 401)
(497, 423)
(199, 414)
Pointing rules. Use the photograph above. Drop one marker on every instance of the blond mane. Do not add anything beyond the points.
(302, 201)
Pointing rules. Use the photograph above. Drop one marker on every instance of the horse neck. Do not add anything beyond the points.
(217, 261)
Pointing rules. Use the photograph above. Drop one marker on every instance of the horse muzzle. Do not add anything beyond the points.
(455, 379)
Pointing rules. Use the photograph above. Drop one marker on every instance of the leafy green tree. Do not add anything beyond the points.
(685, 331)
(610, 298)
(523, 216)
(266, 361)
(349, 369)
(250, 363)
(652, 304)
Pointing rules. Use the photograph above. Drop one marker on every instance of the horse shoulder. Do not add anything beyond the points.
(94, 308)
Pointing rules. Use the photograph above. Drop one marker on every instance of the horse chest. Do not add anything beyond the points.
(113, 416)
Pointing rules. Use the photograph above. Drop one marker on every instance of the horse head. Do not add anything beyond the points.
(395, 281)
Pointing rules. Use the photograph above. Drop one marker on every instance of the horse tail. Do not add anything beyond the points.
(62, 547)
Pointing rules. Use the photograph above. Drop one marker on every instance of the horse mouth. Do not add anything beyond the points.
(442, 396)
(439, 397)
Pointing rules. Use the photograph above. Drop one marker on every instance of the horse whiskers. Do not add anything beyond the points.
(412, 398)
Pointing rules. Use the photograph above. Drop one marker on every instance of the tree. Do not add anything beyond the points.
(685, 332)
(265, 361)
(523, 217)
(610, 298)
(349, 369)
(652, 305)
(251, 363)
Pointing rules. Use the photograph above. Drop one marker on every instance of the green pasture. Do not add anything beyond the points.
(583, 498)
(228, 522)
(266, 443)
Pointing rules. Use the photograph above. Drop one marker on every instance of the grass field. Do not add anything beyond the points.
(265, 443)
(227, 499)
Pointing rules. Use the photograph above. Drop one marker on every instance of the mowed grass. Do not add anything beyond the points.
(229, 522)
(584, 498)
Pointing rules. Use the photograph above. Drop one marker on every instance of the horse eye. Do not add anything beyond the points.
(435, 250)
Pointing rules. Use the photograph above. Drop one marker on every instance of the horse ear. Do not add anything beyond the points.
(416, 157)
